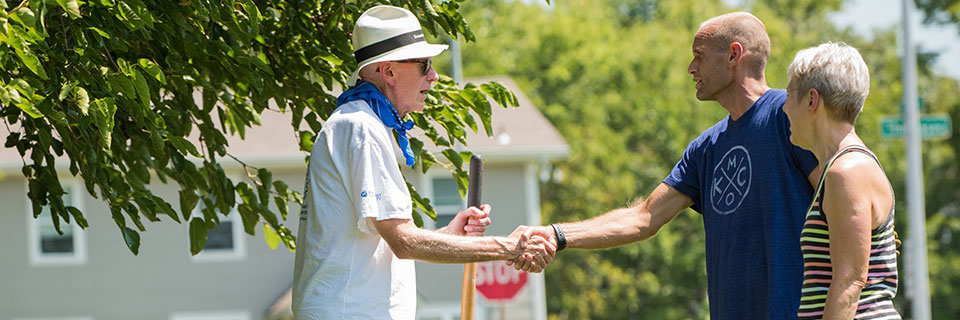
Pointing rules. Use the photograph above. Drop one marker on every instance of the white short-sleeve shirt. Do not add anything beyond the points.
(344, 269)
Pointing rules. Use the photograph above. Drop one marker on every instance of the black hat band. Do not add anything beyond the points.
(381, 47)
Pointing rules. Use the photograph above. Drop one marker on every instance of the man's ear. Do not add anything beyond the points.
(736, 53)
(387, 73)
(814, 103)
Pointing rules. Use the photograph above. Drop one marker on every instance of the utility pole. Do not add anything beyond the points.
(918, 289)
(456, 67)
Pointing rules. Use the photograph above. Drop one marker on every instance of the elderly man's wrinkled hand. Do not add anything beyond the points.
(535, 250)
(471, 221)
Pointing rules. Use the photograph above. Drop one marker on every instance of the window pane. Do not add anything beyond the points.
(446, 200)
(444, 219)
(445, 192)
(221, 237)
(50, 240)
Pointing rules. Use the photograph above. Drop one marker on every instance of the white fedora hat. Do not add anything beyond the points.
(387, 33)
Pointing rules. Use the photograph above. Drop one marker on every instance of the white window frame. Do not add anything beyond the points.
(79, 254)
(211, 315)
(429, 188)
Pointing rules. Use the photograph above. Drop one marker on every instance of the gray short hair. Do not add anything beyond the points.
(839, 74)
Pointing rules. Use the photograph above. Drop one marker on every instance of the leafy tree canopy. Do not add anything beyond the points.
(940, 11)
(108, 86)
(611, 76)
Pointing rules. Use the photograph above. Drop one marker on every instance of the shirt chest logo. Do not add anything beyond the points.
(731, 181)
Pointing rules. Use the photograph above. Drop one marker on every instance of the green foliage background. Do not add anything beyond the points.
(611, 76)
(109, 85)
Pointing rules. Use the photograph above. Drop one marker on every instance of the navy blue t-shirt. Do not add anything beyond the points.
(750, 184)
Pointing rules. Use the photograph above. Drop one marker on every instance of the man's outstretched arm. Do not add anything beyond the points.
(616, 227)
(408, 241)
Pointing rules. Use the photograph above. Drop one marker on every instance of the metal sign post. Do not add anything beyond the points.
(918, 288)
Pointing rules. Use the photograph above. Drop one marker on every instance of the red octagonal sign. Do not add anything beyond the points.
(499, 282)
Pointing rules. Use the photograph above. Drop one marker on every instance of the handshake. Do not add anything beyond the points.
(527, 248)
(538, 245)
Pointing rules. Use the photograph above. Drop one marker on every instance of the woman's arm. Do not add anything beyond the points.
(853, 192)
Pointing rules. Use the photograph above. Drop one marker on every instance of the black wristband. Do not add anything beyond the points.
(561, 240)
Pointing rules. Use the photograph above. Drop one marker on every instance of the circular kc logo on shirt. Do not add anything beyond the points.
(731, 181)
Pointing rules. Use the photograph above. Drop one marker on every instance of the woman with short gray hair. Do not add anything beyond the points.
(848, 243)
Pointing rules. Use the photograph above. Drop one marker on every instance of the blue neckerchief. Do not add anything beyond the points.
(384, 109)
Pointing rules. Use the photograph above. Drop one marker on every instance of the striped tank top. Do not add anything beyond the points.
(881, 286)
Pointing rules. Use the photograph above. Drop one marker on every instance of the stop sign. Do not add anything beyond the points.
(499, 282)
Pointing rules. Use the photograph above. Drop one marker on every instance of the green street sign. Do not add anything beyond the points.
(932, 126)
(920, 105)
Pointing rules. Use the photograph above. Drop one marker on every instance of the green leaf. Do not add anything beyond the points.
(14, 139)
(246, 193)
(134, 215)
(129, 15)
(132, 239)
(123, 85)
(421, 205)
(156, 141)
(188, 201)
(153, 70)
(78, 217)
(16, 40)
(263, 189)
(282, 206)
(104, 119)
(253, 14)
(30, 109)
(164, 207)
(249, 218)
(100, 32)
(273, 239)
(83, 100)
(25, 16)
(198, 235)
(9, 95)
(306, 140)
(145, 203)
(125, 67)
(71, 7)
(500, 94)
(327, 56)
(66, 90)
(454, 157)
(184, 145)
(143, 90)
(417, 220)
(281, 187)
(23, 87)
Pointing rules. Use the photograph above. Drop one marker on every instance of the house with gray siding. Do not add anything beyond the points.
(91, 275)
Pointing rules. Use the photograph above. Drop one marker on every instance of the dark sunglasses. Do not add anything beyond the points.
(427, 63)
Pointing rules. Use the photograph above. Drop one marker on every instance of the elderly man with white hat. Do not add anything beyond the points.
(356, 237)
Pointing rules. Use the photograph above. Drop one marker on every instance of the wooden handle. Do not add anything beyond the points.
(470, 269)
(469, 291)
